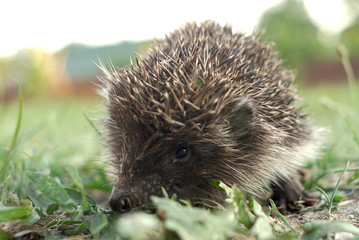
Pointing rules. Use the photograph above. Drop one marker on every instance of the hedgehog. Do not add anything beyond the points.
(205, 103)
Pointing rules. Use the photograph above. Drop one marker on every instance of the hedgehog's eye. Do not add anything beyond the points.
(181, 154)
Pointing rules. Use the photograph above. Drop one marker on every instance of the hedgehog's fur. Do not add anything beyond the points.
(223, 95)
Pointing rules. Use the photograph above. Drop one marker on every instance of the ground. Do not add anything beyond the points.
(58, 145)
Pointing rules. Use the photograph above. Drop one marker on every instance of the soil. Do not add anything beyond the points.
(347, 210)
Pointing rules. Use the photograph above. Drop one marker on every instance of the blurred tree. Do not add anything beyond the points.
(350, 36)
(31, 71)
(295, 36)
(353, 6)
(32, 68)
(4, 71)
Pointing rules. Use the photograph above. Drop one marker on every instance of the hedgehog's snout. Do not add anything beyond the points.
(120, 201)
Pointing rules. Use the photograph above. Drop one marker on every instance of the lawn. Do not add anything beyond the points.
(56, 161)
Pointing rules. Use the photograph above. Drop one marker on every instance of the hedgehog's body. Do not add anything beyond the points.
(203, 104)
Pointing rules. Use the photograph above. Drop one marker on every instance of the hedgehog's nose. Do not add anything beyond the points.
(119, 201)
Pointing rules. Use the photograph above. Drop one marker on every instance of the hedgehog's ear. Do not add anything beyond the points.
(241, 117)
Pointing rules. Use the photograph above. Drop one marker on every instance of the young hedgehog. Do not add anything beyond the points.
(205, 103)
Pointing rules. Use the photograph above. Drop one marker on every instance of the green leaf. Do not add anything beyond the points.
(23, 233)
(76, 195)
(256, 208)
(52, 208)
(96, 223)
(4, 235)
(318, 229)
(76, 230)
(215, 183)
(220, 186)
(194, 223)
(98, 180)
(263, 226)
(78, 182)
(337, 198)
(262, 229)
(53, 190)
(354, 179)
(10, 213)
(30, 219)
(227, 189)
(138, 225)
(244, 215)
(44, 205)
(74, 175)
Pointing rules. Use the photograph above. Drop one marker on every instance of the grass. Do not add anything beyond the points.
(53, 180)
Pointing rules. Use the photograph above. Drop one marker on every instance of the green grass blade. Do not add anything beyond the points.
(336, 189)
(331, 172)
(280, 216)
(92, 124)
(326, 197)
(344, 57)
(14, 140)
(18, 125)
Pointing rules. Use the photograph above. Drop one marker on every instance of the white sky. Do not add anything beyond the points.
(51, 25)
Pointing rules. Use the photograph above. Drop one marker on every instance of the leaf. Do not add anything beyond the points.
(221, 186)
(244, 215)
(53, 190)
(318, 229)
(164, 192)
(76, 195)
(10, 213)
(98, 180)
(76, 230)
(256, 208)
(4, 235)
(262, 229)
(227, 189)
(337, 198)
(354, 179)
(215, 183)
(23, 233)
(138, 225)
(194, 223)
(44, 205)
(52, 208)
(96, 223)
(78, 182)
(30, 219)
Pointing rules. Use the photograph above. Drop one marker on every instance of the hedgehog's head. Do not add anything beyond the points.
(178, 118)
(173, 134)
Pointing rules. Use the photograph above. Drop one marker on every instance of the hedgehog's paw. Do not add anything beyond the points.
(290, 196)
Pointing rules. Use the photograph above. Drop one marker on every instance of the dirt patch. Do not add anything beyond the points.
(348, 211)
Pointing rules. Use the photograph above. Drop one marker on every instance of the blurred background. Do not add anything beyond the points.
(50, 49)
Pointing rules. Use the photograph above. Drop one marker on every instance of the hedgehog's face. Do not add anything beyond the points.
(179, 166)
(182, 162)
